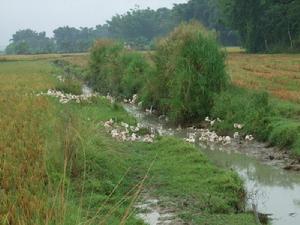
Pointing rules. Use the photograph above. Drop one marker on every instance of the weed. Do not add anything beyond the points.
(70, 86)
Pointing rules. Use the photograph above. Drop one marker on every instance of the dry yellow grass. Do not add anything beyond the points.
(80, 59)
(77, 59)
(24, 120)
(279, 74)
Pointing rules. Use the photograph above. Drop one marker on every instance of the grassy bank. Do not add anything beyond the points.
(274, 118)
(59, 166)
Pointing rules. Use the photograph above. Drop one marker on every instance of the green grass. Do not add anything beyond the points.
(59, 166)
(70, 86)
(181, 172)
(267, 118)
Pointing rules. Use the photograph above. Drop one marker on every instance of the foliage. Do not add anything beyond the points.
(105, 67)
(244, 107)
(265, 25)
(260, 26)
(70, 39)
(268, 120)
(190, 70)
(70, 86)
(284, 132)
(135, 70)
(138, 28)
(208, 13)
(115, 70)
(68, 66)
(30, 42)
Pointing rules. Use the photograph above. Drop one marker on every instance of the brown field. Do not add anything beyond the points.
(279, 74)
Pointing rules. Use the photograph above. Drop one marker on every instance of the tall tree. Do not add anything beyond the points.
(208, 13)
(264, 25)
(141, 26)
(30, 42)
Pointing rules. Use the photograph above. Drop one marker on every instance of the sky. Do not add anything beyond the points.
(47, 15)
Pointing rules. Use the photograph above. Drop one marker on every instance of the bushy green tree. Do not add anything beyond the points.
(71, 39)
(30, 42)
(190, 70)
(140, 26)
(135, 70)
(208, 13)
(264, 25)
(105, 66)
(116, 70)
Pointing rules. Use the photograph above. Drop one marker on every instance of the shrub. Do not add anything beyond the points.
(284, 133)
(71, 69)
(190, 69)
(296, 146)
(240, 106)
(105, 66)
(116, 70)
(134, 71)
(70, 86)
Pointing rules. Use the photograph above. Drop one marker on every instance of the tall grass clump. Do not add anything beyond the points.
(259, 116)
(70, 85)
(135, 69)
(190, 70)
(115, 70)
(285, 132)
(105, 66)
(251, 109)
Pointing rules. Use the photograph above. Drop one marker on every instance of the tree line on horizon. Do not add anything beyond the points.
(258, 26)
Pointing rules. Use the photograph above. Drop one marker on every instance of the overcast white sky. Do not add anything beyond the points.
(46, 15)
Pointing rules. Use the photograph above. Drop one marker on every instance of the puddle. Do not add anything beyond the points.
(153, 214)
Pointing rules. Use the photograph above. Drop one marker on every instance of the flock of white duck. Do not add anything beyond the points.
(125, 132)
(208, 136)
(66, 98)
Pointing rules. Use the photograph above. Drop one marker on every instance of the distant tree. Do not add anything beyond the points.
(102, 31)
(70, 39)
(141, 26)
(30, 42)
(264, 25)
(66, 39)
(258, 25)
(208, 13)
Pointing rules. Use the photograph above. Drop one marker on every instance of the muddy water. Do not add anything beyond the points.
(273, 190)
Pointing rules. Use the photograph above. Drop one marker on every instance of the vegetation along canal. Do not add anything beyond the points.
(274, 190)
